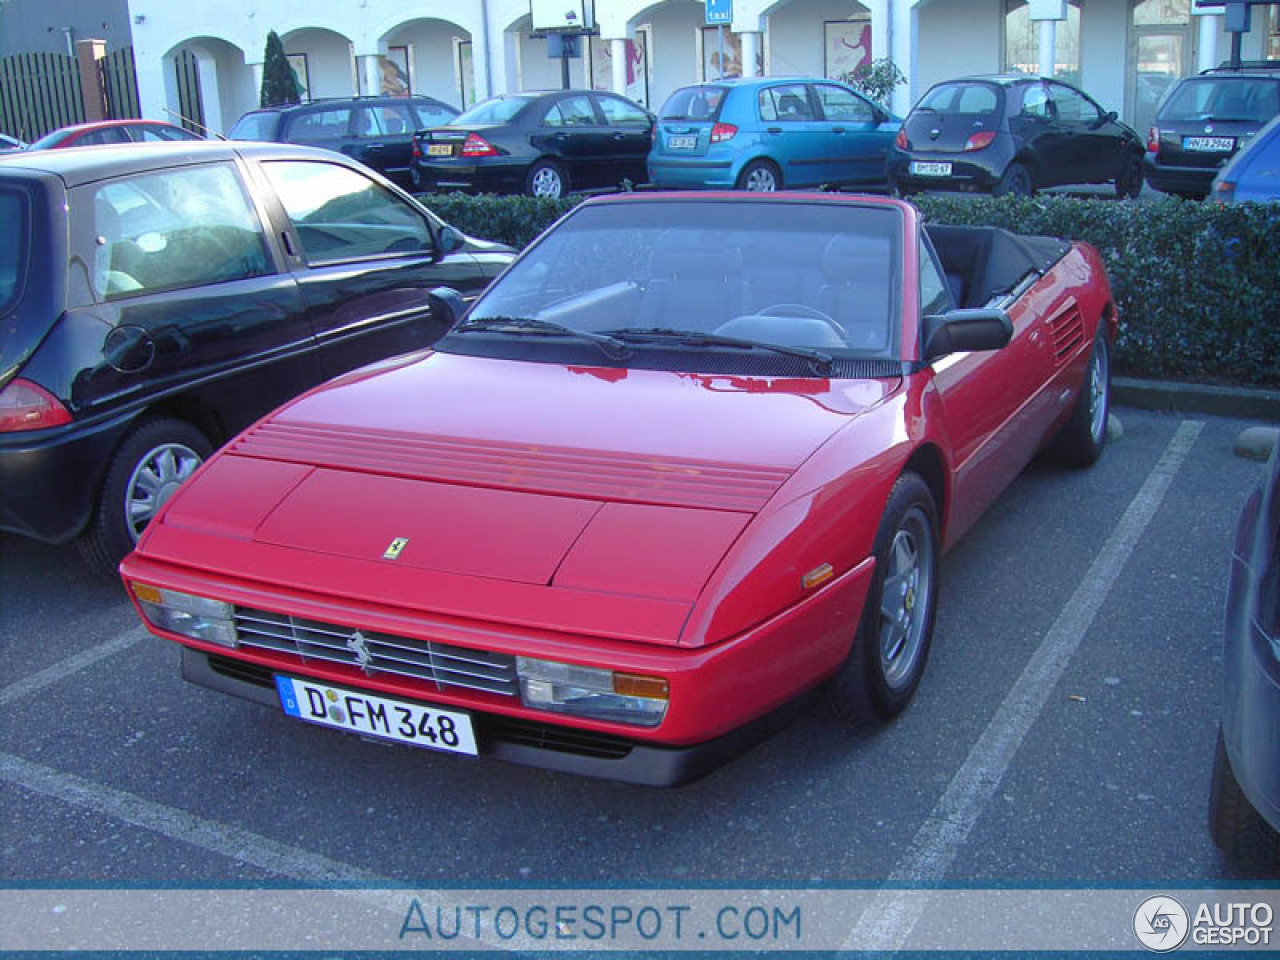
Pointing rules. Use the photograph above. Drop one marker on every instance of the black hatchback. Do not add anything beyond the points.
(1012, 134)
(542, 144)
(1201, 124)
(156, 299)
(377, 131)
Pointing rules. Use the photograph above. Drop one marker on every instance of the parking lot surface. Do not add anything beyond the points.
(1063, 733)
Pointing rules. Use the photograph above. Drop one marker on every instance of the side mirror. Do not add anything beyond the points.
(447, 240)
(446, 306)
(960, 331)
(878, 115)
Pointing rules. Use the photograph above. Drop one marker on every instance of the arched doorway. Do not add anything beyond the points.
(208, 85)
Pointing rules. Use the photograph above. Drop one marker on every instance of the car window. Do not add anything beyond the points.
(12, 242)
(313, 125)
(693, 103)
(497, 110)
(107, 135)
(786, 102)
(340, 214)
(178, 228)
(255, 126)
(840, 104)
(153, 134)
(967, 98)
(432, 114)
(571, 112)
(1223, 98)
(935, 295)
(616, 110)
(384, 120)
(1035, 102)
(1072, 107)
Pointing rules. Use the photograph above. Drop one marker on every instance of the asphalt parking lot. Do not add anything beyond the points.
(1063, 733)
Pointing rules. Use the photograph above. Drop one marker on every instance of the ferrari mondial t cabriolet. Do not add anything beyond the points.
(690, 460)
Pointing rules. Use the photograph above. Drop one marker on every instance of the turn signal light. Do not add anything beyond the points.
(26, 406)
(722, 132)
(980, 140)
(477, 146)
(1153, 140)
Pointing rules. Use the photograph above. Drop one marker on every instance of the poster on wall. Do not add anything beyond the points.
(466, 74)
(711, 54)
(847, 46)
(395, 72)
(637, 72)
(298, 64)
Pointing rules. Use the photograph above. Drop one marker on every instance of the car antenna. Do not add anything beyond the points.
(187, 121)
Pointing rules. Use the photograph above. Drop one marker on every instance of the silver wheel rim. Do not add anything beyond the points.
(905, 599)
(762, 180)
(153, 481)
(1098, 385)
(546, 183)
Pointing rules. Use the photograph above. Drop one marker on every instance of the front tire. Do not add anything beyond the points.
(1079, 443)
(1237, 828)
(895, 630)
(760, 176)
(147, 468)
(1016, 182)
(546, 178)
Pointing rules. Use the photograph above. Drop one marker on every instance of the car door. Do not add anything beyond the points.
(630, 133)
(318, 126)
(1092, 146)
(1034, 123)
(178, 265)
(366, 258)
(856, 146)
(571, 131)
(793, 135)
(382, 138)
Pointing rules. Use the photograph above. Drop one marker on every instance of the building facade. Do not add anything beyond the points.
(1123, 52)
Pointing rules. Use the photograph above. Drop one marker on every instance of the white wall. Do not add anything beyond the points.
(1104, 50)
(674, 54)
(328, 61)
(796, 35)
(957, 37)
(431, 50)
(540, 72)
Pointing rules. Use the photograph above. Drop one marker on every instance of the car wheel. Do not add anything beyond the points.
(760, 176)
(547, 179)
(1129, 179)
(1236, 827)
(1079, 442)
(1016, 182)
(146, 469)
(895, 630)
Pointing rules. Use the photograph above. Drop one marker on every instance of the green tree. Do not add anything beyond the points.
(279, 85)
(876, 79)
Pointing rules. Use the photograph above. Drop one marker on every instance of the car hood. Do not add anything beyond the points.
(552, 496)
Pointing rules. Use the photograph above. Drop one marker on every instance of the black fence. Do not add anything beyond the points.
(40, 92)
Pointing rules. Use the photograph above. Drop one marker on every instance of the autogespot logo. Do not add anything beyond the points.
(1161, 924)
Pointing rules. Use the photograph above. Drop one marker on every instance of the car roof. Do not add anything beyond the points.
(87, 164)
(331, 101)
(104, 124)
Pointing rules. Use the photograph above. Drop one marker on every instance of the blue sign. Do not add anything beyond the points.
(719, 11)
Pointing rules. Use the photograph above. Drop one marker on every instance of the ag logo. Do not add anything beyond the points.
(1161, 924)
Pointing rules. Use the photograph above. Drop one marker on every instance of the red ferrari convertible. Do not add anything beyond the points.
(690, 460)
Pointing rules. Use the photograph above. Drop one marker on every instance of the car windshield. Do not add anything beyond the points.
(1245, 99)
(255, 126)
(497, 110)
(13, 223)
(963, 98)
(739, 279)
(693, 103)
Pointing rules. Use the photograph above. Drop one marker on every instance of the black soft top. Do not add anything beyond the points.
(986, 262)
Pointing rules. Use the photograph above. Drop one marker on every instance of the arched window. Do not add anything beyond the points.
(1022, 42)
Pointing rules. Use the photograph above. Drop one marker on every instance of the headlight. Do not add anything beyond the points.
(589, 692)
(199, 618)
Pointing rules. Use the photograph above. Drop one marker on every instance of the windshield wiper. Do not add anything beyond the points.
(611, 347)
(819, 362)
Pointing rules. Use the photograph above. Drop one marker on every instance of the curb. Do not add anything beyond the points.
(1245, 402)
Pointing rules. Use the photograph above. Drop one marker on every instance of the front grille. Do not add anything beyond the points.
(446, 666)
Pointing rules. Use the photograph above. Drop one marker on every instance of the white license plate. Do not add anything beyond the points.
(358, 712)
(682, 143)
(440, 149)
(921, 168)
(1209, 144)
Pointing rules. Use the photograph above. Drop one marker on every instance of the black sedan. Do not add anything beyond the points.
(542, 144)
(1012, 135)
(1244, 803)
(154, 300)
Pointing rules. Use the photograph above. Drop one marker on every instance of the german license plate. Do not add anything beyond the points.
(376, 716)
(439, 149)
(1209, 144)
(682, 143)
(921, 168)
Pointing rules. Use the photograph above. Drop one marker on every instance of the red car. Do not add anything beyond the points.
(691, 459)
(112, 131)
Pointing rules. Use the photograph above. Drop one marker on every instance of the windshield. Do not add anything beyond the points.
(1246, 99)
(686, 276)
(12, 225)
(497, 110)
(693, 103)
(964, 98)
(255, 126)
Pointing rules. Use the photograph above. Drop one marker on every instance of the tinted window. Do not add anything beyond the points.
(617, 110)
(1073, 108)
(12, 242)
(341, 215)
(840, 104)
(787, 102)
(316, 125)
(95, 137)
(433, 114)
(498, 110)
(255, 126)
(693, 103)
(152, 134)
(1035, 102)
(384, 120)
(571, 112)
(1223, 98)
(968, 98)
(178, 228)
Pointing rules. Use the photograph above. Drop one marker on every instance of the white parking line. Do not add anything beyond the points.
(887, 923)
(72, 665)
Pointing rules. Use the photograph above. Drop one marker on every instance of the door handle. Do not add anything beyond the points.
(375, 146)
(619, 136)
(773, 129)
(837, 129)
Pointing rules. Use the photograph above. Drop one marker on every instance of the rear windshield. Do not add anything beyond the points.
(1246, 99)
(973, 99)
(693, 103)
(498, 110)
(255, 126)
(13, 224)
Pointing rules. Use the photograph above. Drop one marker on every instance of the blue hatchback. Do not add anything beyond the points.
(770, 133)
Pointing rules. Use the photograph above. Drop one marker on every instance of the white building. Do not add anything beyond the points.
(1123, 52)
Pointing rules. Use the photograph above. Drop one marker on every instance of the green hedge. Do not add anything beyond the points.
(1197, 285)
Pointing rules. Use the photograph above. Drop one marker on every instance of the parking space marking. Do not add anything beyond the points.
(72, 665)
(887, 923)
